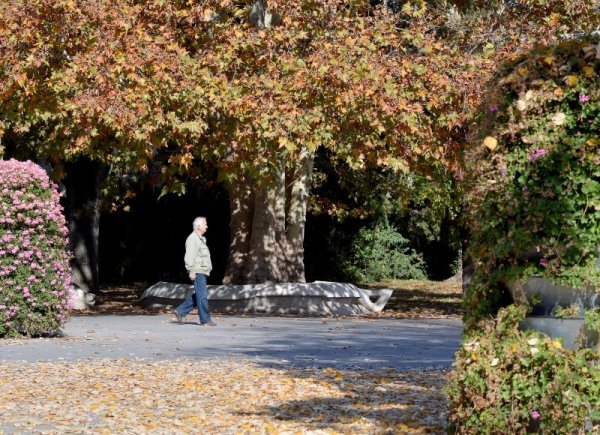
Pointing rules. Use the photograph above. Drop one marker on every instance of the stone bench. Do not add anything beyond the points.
(319, 298)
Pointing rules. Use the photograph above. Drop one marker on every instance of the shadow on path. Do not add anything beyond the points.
(270, 341)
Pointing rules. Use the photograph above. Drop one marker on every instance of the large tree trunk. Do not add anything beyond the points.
(263, 233)
(264, 260)
(82, 185)
(267, 228)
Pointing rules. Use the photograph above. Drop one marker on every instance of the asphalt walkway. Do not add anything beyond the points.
(273, 341)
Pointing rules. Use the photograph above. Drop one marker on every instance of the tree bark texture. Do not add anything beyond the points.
(267, 228)
(241, 202)
(296, 219)
(82, 184)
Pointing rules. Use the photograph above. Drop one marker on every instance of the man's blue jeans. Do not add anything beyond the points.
(197, 299)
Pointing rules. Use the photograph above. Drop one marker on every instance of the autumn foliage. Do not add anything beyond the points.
(209, 79)
(92, 78)
(254, 88)
(254, 93)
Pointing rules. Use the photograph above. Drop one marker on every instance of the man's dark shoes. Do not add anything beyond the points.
(209, 323)
(178, 317)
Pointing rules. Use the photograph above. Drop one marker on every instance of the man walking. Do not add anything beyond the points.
(198, 264)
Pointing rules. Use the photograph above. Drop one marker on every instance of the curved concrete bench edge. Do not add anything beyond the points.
(383, 295)
(319, 297)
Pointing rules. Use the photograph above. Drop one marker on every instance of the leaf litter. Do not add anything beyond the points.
(182, 396)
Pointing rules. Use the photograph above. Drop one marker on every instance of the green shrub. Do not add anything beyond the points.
(34, 270)
(381, 253)
(508, 381)
(534, 211)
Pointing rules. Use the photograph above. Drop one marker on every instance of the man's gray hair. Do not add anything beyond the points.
(197, 221)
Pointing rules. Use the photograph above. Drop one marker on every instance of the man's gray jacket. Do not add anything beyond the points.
(197, 255)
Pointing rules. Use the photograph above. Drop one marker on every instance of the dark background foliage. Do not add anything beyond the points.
(146, 243)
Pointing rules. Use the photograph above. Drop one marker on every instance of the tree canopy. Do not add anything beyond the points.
(255, 87)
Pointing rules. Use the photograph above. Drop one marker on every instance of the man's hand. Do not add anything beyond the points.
(192, 276)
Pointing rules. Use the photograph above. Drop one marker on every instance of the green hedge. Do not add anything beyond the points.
(534, 189)
(534, 198)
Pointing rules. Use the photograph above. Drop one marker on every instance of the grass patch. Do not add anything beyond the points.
(422, 299)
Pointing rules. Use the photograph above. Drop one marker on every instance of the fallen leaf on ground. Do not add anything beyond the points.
(118, 396)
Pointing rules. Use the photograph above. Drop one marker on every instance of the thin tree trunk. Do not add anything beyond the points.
(82, 185)
(241, 201)
(296, 219)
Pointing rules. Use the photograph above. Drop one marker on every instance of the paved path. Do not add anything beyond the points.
(273, 341)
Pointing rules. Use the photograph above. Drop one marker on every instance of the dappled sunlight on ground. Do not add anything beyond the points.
(136, 395)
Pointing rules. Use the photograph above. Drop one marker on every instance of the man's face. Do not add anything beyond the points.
(202, 227)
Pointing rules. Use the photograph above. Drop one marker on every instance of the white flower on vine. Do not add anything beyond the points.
(559, 118)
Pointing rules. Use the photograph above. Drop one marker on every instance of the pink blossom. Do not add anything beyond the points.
(535, 415)
(583, 98)
(540, 152)
(544, 262)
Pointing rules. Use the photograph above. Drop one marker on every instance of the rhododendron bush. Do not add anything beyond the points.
(34, 269)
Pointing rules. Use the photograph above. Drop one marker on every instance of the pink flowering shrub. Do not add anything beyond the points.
(34, 264)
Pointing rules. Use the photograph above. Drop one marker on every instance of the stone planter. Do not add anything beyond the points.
(542, 318)
(553, 296)
(572, 331)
